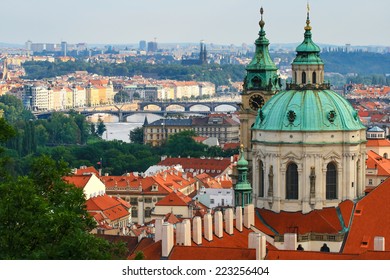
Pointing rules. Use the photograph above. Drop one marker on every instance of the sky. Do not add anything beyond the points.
(339, 22)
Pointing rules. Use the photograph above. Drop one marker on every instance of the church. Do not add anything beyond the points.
(306, 143)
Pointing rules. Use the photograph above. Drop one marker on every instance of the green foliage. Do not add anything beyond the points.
(101, 128)
(137, 135)
(121, 97)
(43, 217)
(183, 144)
(139, 255)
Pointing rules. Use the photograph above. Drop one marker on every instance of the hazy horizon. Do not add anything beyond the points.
(221, 22)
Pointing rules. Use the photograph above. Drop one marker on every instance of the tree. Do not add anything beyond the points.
(43, 217)
(101, 128)
(137, 135)
(183, 144)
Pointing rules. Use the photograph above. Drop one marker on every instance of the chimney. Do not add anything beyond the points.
(290, 241)
(167, 240)
(379, 243)
(158, 232)
(197, 232)
(252, 238)
(249, 215)
(218, 224)
(208, 227)
(183, 233)
(229, 221)
(261, 249)
(239, 218)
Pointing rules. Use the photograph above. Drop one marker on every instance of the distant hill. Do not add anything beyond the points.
(363, 63)
(10, 45)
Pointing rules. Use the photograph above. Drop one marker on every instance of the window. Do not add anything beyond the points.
(370, 181)
(314, 78)
(385, 155)
(148, 212)
(148, 200)
(133, 201)
(331, 181)
(212, 201)
(261, 179)
(134, 212)
(292, 181)
(303, 77)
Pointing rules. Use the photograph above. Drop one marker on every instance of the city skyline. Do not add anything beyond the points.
(219, 22)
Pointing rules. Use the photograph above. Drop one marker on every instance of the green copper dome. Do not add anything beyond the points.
(308, 110)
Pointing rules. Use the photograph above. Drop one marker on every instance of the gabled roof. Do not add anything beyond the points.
(80, 181)
(108, 206)
(174, 199)
(381, 164)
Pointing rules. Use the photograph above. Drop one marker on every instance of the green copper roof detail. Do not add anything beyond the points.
(242, 167)
(261, 71)
(308, 110)
(308, 51)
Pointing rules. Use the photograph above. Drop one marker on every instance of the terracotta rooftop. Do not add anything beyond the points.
(375, 161)
(370, 219)
(318, 221)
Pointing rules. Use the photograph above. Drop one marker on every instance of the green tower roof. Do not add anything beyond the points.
(308, 51)
(308, 110)
(261, 71)
(242, 168)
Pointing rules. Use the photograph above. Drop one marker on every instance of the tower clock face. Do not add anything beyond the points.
(256, 101)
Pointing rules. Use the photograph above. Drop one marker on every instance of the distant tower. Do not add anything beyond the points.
(64, 48)
(142, 45)
(203, 53)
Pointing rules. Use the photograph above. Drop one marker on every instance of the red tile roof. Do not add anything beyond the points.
(375, 161)
(371, 218)
(211, 253)
(86, 170)
(80, 181)
(174, 199)
(110, 207)
(318, 221)
(199, 165)
(378, 143)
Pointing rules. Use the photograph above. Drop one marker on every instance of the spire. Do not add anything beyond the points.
(308, 27)
(261, 71)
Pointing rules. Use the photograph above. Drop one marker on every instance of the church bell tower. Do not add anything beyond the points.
(260, 84)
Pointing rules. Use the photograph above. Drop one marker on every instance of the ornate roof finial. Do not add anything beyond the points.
(242, 148)
(308, 27)
(261, 23)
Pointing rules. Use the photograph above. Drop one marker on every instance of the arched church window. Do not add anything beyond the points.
(295, 77)
(303, 77)
(292, 181)
(331, 181)
(261, 179)
(314, 78)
